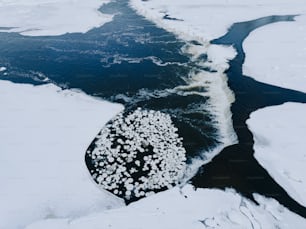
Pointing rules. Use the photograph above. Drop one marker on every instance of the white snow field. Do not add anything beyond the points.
(44, 134)
(51, 17)
(280, 145)
(210, 19)
(276, 54)
(187, 208)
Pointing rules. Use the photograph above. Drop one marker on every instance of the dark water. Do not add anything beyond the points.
(131, 61)
(235, 166)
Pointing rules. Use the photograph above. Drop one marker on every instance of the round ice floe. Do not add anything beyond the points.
(138, 153)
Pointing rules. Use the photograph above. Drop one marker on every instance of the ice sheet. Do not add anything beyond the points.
(51, 17)
(210, 19)
(44, 134)
(279, 134)
(276, 54)
(187, 208)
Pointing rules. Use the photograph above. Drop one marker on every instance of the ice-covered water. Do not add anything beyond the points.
(236, 166)
(131, 61)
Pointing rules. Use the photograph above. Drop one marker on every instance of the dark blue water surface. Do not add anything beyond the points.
(131, 61)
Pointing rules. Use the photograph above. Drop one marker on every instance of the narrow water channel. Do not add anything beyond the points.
(236, 166)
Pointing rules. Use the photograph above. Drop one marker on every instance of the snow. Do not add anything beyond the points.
(44, 135)
(280, 145)
(276, 54)
(187, 208)
(196, 22)
(2, 69)
(210, 19)
(51, 17)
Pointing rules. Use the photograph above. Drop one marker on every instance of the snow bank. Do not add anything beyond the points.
(280, 145)
(187, 208)
(276, 54)
(44, 134)
(51, 17)
(210, 19)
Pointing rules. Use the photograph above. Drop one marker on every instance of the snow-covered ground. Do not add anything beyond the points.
(276, 54)
(187, 208)
(44, 134)
(210, 19)
(280, 145)
(51, 17)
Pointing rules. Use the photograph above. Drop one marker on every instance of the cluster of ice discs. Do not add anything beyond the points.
(137, 154)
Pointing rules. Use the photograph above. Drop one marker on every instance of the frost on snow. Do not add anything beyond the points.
(136, 154)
